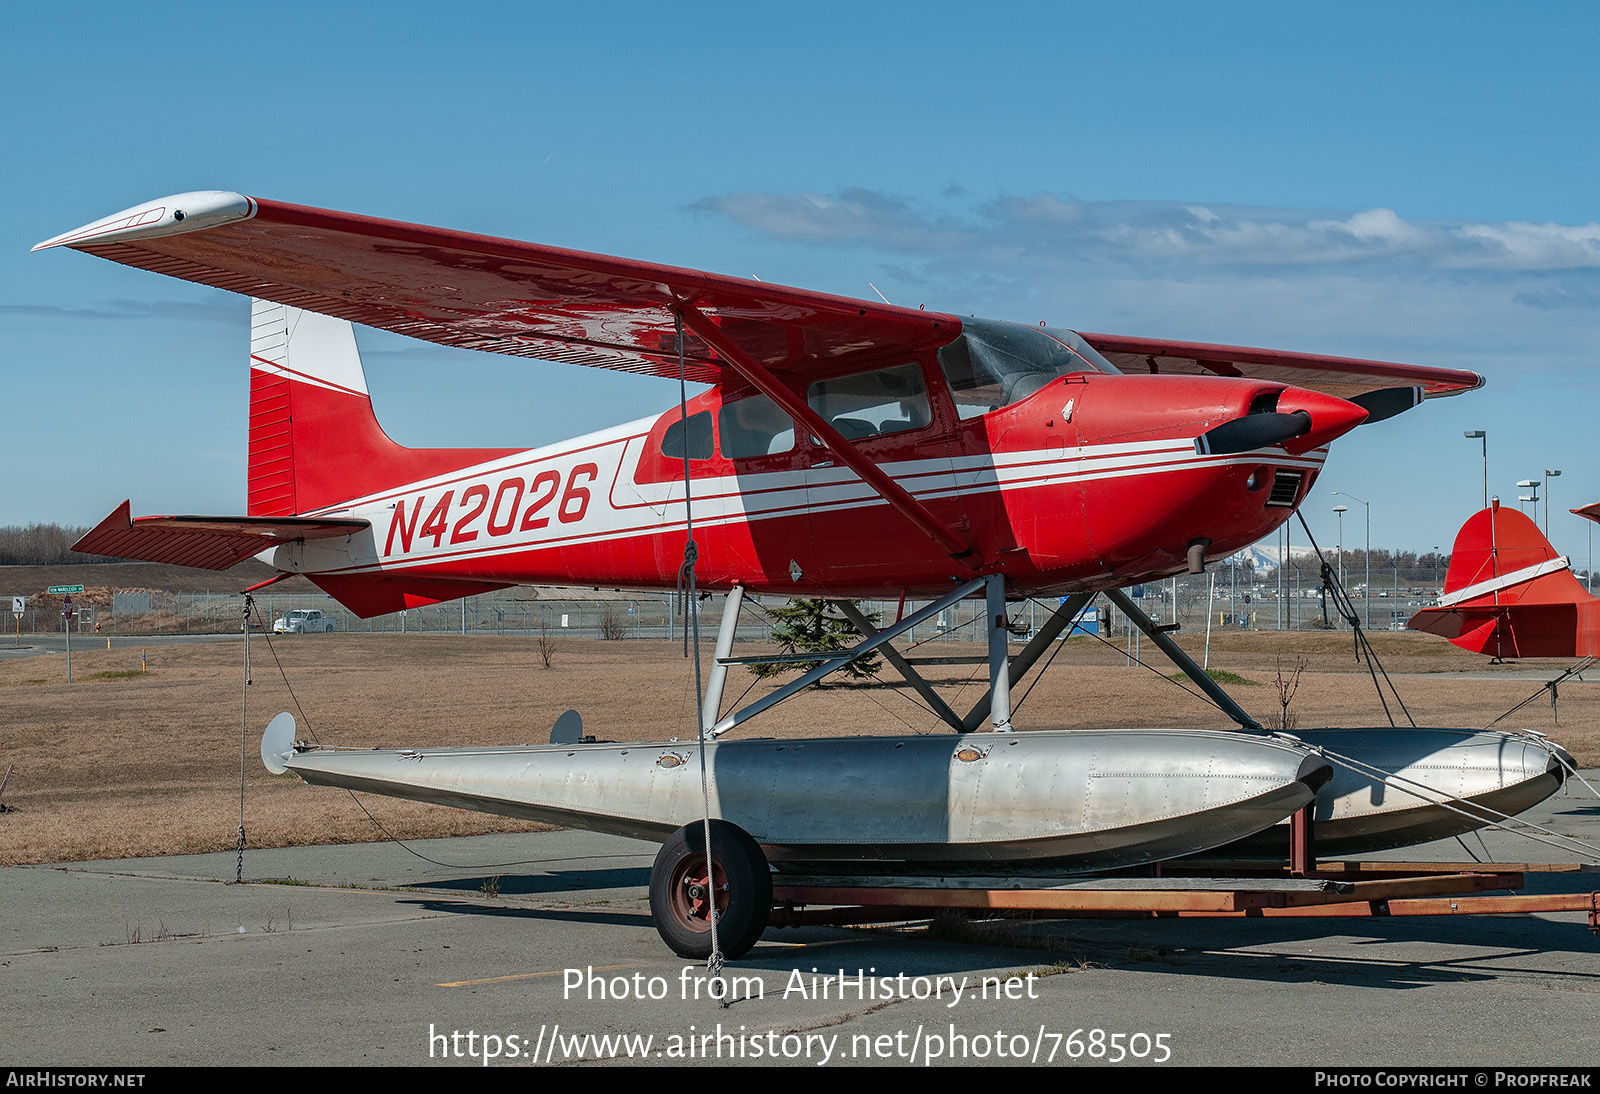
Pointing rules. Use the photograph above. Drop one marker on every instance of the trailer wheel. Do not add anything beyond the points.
(680, 896)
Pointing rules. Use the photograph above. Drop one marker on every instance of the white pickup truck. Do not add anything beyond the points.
(304, 621)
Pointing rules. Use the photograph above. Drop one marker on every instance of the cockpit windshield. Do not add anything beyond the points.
(994, 364)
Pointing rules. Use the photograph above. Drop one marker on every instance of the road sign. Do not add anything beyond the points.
(17, 604)
(66, 619)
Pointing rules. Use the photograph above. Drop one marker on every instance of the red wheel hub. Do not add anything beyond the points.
(690, 893)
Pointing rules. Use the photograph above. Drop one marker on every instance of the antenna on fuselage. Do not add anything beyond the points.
(885, 299)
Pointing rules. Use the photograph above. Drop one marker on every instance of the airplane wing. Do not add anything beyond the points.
(211, 543)
(1345, 377)
(530, 300)
(499, 295)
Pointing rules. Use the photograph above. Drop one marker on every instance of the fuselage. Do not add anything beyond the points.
(1089, 480)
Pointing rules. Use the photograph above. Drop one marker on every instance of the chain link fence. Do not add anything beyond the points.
(1228, 597)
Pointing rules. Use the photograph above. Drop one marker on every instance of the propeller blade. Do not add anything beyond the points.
(1387, 402)
(1251, 432)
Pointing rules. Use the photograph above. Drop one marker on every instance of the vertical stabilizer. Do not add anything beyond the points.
(314, 440)
(1509, 594)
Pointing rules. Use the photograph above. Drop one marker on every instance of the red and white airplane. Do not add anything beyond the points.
(845, 448)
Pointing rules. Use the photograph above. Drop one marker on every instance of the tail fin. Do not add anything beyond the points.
(314, 440)
(1508, 594)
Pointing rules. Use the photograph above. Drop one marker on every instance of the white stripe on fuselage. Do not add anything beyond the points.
(596, 497)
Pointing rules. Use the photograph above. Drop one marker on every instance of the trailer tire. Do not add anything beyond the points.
(678, 900)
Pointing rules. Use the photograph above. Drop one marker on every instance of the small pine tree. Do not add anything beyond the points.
(807, 626)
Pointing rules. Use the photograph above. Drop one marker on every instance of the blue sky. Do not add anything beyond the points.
(1412, 182)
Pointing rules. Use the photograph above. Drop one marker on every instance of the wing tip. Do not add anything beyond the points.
(175, 214)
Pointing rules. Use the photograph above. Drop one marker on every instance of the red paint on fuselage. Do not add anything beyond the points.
(1092, 482)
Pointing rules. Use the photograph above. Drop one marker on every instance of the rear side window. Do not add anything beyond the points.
(868, 404)
(699, 434)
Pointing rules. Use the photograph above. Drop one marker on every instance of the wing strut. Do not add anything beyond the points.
(833, 661)
(835, 442)
(861, 623)
(1018, 666)
(1183, 661)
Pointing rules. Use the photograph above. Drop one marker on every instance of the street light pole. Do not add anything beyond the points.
(1529, 484)
(1368, 597)
(1283, 557)
(1341, 510)
(1482, 435)
(1548, 475)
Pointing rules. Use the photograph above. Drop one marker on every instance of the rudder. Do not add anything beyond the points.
(315, 442)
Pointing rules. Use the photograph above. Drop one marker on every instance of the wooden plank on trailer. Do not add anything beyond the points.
(1389, 889)
(1460, 905)
(1058, 900)
(1054, 884)
(1367, 867)
(1497, 905)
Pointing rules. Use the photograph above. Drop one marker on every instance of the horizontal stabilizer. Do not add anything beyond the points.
(368, 595)
(210, 543)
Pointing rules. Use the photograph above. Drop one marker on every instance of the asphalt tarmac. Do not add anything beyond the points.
(517, 953)
(38, 645)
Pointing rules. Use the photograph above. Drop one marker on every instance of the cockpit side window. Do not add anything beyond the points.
(868, 404)
(754, 426)
(699, 433)
(994, 364)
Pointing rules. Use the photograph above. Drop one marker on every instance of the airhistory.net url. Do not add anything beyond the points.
(919, 1046)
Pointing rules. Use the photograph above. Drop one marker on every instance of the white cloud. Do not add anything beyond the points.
(217, 305)
(854, 214)
(1499, 298)
(1063, 231)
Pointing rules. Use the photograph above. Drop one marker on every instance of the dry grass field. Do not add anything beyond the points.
(119, 765)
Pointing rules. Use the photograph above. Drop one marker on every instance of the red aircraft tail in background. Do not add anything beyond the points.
(1508, 594)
